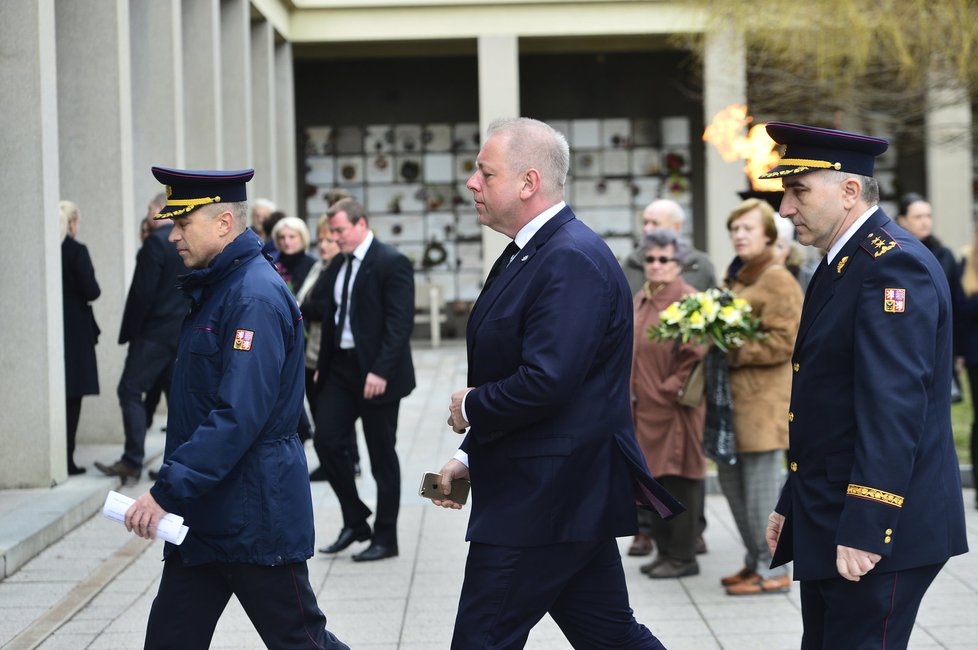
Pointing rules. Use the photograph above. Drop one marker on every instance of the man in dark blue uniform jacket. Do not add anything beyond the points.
(551, 452)
(872, 508)
(234, 466)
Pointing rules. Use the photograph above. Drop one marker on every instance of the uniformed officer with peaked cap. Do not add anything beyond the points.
(872, 506)
(234, 467)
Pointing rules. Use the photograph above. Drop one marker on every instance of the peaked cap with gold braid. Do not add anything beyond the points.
(188, 189)
(810, 149)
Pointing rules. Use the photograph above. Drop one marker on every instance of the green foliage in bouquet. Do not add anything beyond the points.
(714, 315)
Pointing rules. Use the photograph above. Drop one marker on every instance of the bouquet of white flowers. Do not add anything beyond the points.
(714, 315)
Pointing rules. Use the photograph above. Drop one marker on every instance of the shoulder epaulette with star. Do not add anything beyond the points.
(878, 243)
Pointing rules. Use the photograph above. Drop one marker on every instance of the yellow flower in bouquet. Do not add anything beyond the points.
(712, 316)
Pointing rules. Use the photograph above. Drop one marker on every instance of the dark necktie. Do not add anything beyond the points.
(345, 300)
(500, 264)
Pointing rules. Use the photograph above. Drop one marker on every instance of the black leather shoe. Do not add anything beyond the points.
(153, 474)
(376, 552)
(347, 536)
(318, 475)
(75, 470)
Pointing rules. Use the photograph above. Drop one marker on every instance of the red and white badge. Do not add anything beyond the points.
(243, 339)
(895, 301)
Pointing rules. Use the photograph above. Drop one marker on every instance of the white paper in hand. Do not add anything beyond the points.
(170, 529)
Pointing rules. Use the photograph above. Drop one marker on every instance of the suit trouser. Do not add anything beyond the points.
(146, 362)
(676, 539)
(507, 590)
(72, 416)
(752, 487)
(278, 599)
(876, 613)
(340, 403)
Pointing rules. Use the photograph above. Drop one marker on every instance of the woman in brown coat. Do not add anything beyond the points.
(760, 384)
(669, 433)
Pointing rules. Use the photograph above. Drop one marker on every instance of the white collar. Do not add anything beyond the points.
(361, 250)
(847, 235)
(536, 223)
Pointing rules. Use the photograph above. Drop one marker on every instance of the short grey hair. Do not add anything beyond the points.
(292, 223)
(536, 144)
(68, 212)
(662, 237)
(238, 210)
(870, 192)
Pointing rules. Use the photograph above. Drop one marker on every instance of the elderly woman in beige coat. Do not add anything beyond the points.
(669, 433)
(760, 384)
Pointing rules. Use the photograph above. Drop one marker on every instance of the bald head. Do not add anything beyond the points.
(663, 213)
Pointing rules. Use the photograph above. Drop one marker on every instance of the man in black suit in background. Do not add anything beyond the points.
(151, 321)
(365, 369)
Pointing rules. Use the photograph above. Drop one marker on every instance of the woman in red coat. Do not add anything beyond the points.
(669, 433)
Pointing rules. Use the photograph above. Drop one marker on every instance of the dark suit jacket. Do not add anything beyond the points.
(80, 329)
(552, 450)
(381, 317)
(872, 460)
(155, 308)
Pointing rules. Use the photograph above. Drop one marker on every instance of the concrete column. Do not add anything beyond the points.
(202, 83)
(285, 150)
(96, 171)
(724, 83)
(32, 435)
(947, 127)
(499, 97)
(263, 128)
(155, 31)
(235, 85)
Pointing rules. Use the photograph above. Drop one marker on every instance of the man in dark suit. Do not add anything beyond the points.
(551, 452)
(151, 321)
(365, 369)
(872, 507)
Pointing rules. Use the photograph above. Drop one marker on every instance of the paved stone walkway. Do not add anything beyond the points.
(93, 587)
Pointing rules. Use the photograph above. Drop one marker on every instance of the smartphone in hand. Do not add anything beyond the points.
(431, 489)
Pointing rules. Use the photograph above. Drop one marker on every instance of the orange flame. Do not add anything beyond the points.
(725, 132)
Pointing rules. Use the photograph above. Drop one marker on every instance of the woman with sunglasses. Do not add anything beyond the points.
(669, 433)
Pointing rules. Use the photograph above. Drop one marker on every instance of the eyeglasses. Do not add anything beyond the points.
(662, 259)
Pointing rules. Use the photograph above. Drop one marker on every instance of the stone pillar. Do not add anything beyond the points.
(724, 83)
(499, 97)
(263, 128)
(202, 86)
(32, 444)
(947, 127)
(96, 172)
(285, 188)
(155, 31)
(235, 85)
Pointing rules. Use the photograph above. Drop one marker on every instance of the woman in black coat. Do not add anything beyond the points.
(80, 329)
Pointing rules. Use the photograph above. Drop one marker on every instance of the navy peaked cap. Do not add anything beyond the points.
(188, 189)
(810, 149)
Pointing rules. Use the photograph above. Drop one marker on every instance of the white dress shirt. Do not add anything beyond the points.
(346, 338)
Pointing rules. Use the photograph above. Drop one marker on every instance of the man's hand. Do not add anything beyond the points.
(853, 563)
(455, 420)
(143, 516)
(775, 522)
(374, 386)
(452, 470)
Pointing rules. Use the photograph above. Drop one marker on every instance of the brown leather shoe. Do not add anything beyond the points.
(743, 575)
(641, 546)
(120, 469)
(759, 585)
